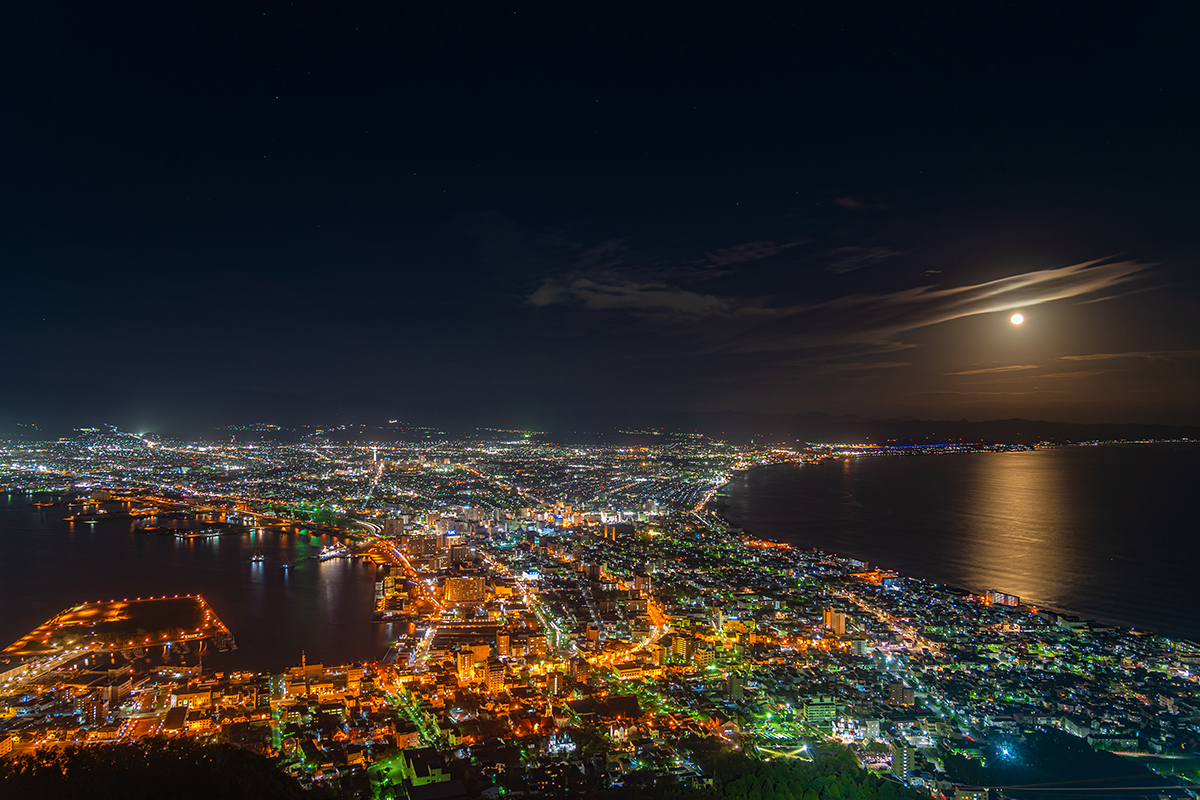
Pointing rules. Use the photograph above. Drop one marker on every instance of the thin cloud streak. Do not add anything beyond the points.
(613, 292)
(1122, 294)
(982, 394)
(1052, 376)
(877, 318)
(750, 251)
(865, 365)
(1149, 355)
(1013, 368)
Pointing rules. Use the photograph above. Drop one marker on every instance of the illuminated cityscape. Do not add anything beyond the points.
(477, 400)
(567, 618)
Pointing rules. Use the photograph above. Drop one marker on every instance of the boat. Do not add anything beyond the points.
(258, 556)
(332, 551)
(286, 564)
(203, 533)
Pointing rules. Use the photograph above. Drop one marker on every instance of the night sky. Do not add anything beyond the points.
(579, 215)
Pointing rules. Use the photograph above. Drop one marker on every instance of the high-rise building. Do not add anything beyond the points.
(556, 682)
(495, 675)
(683, 647)
(421, 545)
(996, 598)
(901, 695)
(462, 554)
(835, 621)
(503, 642)
(903, 758)
(820, 710)
(466, 664)
(735, 686)
(581, 670)
(465, 590)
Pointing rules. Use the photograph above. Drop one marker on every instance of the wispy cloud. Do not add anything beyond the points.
(750, 251)
(602, 278)
(982, 394)
(1048, 376)
(857, 366)
(1149, 355)
(1013, 368)
(1068, 376)
(851, 259)
(1122, 294)
(877, 318)
(608, 291)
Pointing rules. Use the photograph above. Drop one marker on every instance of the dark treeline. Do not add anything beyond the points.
(153, 769)
(182, 769)
(834, 775)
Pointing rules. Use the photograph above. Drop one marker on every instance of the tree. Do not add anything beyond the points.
(181, 769)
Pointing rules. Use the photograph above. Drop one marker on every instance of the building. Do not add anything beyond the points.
(735, 686)
(820, 710)
(995, 598)
(470, 590)
(581, 670)
(683, 647)
(495, 675)
(466, 664)
(551, 780)
(422, 545)
(903, 758)
(424, 765)
(970, 793)
(556, 682)
(462, 554)
(835, 621)
(503, 642)
(7, 743)
(901, 695)
(628, 670)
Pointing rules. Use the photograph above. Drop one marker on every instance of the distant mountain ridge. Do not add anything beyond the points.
(822, 427)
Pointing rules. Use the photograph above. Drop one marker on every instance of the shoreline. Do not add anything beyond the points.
(721, 511)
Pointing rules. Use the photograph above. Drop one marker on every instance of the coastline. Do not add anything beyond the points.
(745, 526)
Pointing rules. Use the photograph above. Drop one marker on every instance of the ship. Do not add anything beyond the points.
(203, 533)
(332, 551)
(286, 564)
(258, 556)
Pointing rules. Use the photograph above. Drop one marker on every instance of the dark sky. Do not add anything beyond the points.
(581, 214)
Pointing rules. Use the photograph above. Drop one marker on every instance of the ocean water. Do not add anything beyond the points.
(1110, 533)
(322, 607)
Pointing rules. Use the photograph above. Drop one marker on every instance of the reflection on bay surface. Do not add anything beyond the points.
(322, 607)
(1105, 532)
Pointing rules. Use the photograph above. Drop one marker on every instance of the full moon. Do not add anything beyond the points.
(1017, 319)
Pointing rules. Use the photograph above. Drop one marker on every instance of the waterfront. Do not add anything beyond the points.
(323, 607)
(638, 595)
(1103, 532)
